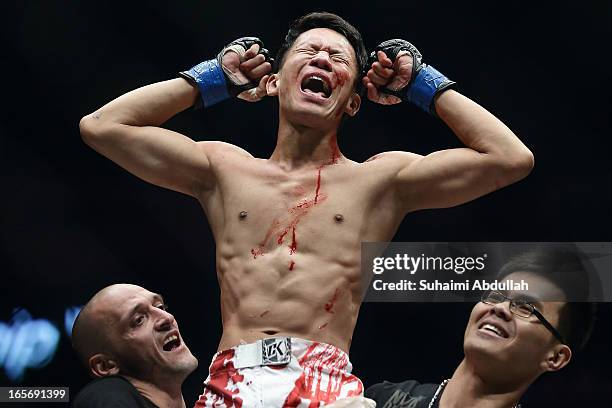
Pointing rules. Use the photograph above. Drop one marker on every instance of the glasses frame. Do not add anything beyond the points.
(534, 311)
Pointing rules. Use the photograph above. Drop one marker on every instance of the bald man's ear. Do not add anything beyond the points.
(558, 358)
(101, 365)
(272, 85)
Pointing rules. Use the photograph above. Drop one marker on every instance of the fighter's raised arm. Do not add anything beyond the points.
(127, 130)
(493, 157)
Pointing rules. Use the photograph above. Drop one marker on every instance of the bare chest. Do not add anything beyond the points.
(265, 209)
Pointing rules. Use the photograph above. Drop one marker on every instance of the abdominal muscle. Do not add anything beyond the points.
(317, 298)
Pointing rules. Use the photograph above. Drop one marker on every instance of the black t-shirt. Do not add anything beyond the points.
(111, 392)
(407, 394)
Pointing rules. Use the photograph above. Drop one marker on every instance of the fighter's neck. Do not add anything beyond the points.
(467, 388)
(299, 146)
(170, 397)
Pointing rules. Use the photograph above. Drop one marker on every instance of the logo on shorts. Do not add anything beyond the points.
(276, 351)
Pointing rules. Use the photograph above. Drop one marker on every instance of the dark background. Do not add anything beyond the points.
(72, 222)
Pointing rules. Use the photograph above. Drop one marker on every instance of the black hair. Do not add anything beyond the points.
(333, 22)
(565, 269)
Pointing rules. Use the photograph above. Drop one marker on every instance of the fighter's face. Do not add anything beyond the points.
(315, 82)
(512, 346)
(146, 338)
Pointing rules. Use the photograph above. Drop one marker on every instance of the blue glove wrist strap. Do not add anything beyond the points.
(427, 84)
(210, 78)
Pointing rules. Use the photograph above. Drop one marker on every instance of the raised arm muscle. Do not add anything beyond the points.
(126, 130)
(493, 158)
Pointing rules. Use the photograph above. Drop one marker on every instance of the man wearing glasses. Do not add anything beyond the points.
(510, 339)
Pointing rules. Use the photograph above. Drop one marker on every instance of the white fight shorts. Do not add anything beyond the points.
(279, 372)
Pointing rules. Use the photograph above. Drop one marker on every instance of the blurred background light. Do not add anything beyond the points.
(26, 343)
(69, 317)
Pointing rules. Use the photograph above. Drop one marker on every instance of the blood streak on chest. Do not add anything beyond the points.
(280, 228)
(257, 252)
(334, 152)
(293, 246)
(260, 249)
(318, 186)
(281, 237)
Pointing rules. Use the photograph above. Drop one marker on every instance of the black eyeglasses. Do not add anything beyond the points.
(521, 309)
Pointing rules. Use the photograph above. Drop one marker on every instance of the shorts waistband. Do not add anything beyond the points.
(274, 351)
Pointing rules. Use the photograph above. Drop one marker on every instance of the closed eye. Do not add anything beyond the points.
(340, 59)
(309, 51)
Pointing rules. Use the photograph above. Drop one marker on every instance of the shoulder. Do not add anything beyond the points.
(393, 157)
(388, 165)
(404, 394)
(108, 392)
(222, 147)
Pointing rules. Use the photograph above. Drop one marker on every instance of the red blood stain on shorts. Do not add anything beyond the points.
(324, 377)
(291, 265)
(222, 382)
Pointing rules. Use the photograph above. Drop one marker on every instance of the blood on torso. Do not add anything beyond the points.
(291, 265)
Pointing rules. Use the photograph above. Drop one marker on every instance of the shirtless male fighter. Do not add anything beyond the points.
(288, 228)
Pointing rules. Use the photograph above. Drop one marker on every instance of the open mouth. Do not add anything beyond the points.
(316, 85)
(496, 330)
(171, 343)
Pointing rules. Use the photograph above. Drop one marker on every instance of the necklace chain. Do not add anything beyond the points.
(441, 388)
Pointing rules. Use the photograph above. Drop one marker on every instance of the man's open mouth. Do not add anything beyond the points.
(492, 328)
(171, 343)
(316, 85)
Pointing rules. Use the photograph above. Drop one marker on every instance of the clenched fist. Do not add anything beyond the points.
(240, 69)
(397, 73)
(246, 63)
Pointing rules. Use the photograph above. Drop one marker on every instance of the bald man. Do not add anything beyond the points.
(132, 346)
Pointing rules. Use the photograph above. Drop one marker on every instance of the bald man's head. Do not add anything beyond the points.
(124, 330)
(90, 333)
